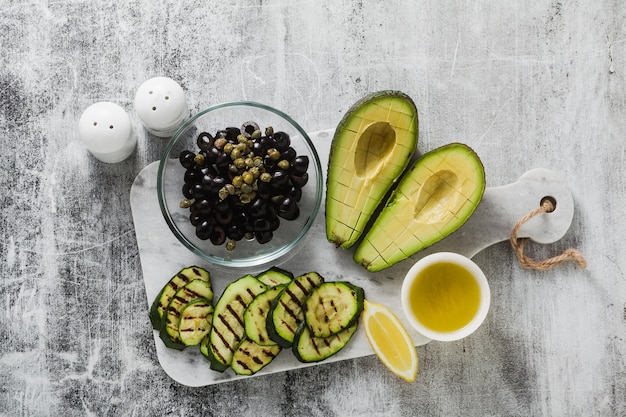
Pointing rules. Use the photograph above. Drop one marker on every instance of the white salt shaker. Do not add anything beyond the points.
(161, 105)
(106, 131)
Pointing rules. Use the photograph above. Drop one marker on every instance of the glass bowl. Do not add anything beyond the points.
(248, 252)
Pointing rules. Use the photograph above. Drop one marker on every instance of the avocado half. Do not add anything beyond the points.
(434, 198)
(372, 146)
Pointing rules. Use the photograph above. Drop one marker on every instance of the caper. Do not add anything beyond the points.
(231, 245)
(198, 159)
(242, 139)
(249, 236)
(246, 188)
(255, 171)
(235, 153)
(220, 143)
(283, 164)
(228, 148)
(223, 193)
(233, 168)
(185, 203)
(245, 198)
(249, 162)
(257, 161)
(247, 176)
(256, 135)
(269, 131)
(237, 181)
(240, 163)
(274, 154)
(230, 188)
(266, 177)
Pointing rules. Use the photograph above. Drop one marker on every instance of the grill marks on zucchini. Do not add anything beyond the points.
(182, 278)
(308, 348)
(228, 329)
(333, 307)
(287, 309)
(250, 357)
(255, 317)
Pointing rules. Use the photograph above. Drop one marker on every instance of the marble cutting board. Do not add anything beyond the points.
(162, 256)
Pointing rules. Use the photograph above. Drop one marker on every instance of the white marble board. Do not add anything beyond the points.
(162, 256)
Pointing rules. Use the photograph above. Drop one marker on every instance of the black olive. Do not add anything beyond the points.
(188, 191)
(201, 206)
(232, 133)
(274, 223)
(264, 190)
(295, 193)
(222, 162)
(204, 229)
(224, 218)
(281, 140)
(235, 232)
(258, 208)
(300, 164)
(289, 154)
(192, 176)
(186, 159)
(263, 237)
(217, 183)
(262, 225)
(195, 218)
(289, 209)
(269, 163)
(212, 155)
(218, 236)
(221, 205)
(199, 191)
(300, 180)
(279, 179)
(204, 141)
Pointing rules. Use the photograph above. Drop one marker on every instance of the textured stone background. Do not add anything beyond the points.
(526, 84)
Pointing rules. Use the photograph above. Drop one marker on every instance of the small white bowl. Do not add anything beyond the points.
(475, 272)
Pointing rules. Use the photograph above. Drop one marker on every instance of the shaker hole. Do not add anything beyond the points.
(95, 123)
(150, 92)
(167, 97)
(153, 108)
(111, 127)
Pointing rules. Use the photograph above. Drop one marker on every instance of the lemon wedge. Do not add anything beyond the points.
(390, 340)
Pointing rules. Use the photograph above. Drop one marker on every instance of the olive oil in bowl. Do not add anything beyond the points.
(445, 296)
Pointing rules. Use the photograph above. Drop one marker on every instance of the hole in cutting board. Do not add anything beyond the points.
(550, 199)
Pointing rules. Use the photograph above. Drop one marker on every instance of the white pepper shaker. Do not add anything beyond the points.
(106, 131)
(161, 105)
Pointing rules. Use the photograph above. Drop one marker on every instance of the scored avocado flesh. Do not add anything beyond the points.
(434, 198)
(372, 146)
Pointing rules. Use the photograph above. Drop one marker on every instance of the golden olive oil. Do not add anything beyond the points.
(444, 297)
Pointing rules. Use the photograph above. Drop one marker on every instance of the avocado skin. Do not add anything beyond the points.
(368, 252)
(340, 239)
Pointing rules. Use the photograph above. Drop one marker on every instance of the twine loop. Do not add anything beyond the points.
(547, 206)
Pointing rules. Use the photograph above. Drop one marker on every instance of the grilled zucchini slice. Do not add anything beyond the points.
(179, 280)
(255, 317)
(308, 348)
(227, 329)
(195, 321)
(193, 290)
(275, 276)
(250, 357)
(287, 309)
(332, 307)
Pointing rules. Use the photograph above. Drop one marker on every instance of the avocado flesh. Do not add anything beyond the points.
(434, 198)
(371, 147)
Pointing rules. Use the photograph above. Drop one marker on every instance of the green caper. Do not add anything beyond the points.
(230, 188)
(242, 139)
(228, 148)
(198, 159)
(247, 176)
(240, 163)
(274, 154)
(245, 198)
(266, 177)
(233, 168)
(185, 203)
(231, 245)
(256, 135)
(257, 161)
(223, 193)
(220, 143)
(249, 162)
(255, 171)
(246, 188)
(283, 164)
(235, 153)
(269, 131)
(249, 236)
(237, 181)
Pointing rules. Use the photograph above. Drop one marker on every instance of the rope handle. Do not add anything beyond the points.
(547, 206)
